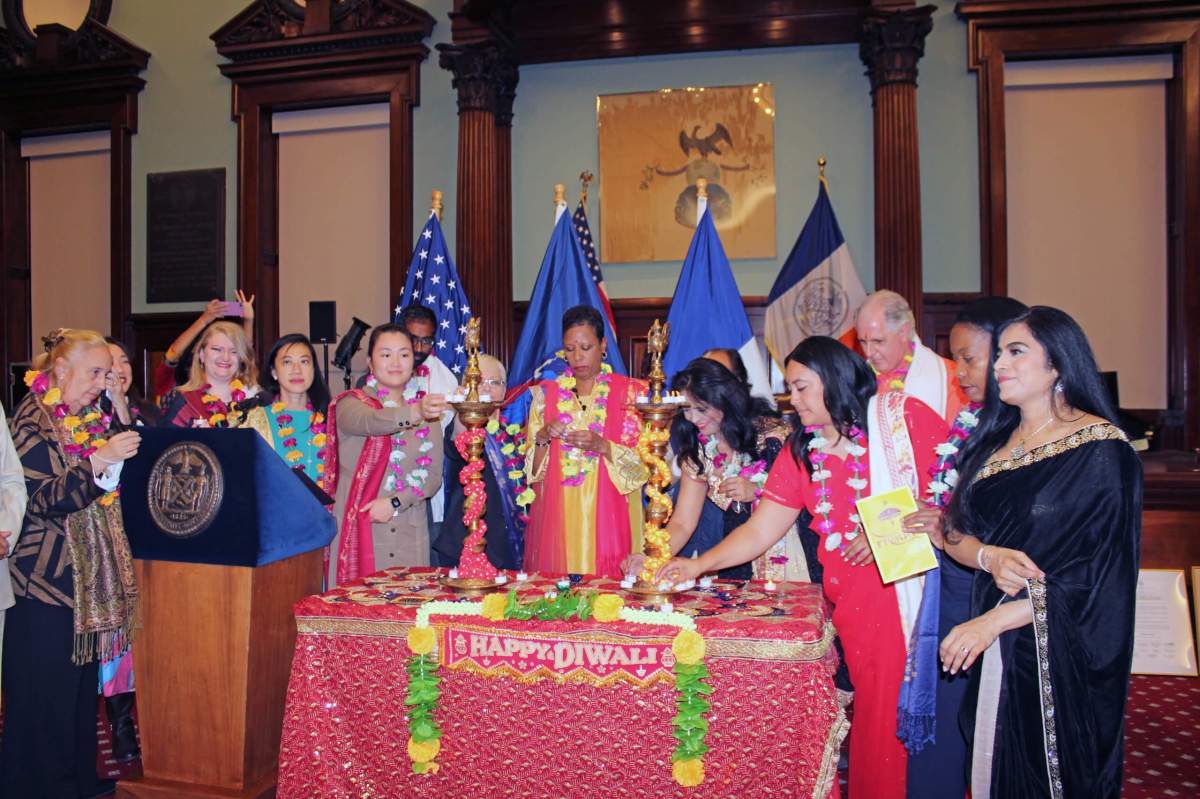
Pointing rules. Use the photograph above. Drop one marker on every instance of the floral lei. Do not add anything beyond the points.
(944, 473)
(219, 413)
(397, 481)
(688, 646)
(290, 446)
(513, 446)
(820, 474)
(416, 391)
(742, 466)
(577, 464)
(83, 433)
(897, 383)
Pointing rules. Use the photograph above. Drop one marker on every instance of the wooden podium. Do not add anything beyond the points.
(213, 654)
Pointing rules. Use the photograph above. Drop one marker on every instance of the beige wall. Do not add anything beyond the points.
(333, 217)
(69, 182)
(1086, 164)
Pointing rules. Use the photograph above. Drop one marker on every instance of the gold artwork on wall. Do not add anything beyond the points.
(654, 146)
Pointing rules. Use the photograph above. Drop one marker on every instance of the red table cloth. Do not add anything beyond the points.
(548, 709)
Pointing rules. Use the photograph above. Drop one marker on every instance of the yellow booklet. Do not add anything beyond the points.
(897, 554)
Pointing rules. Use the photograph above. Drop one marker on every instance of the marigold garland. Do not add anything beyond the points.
(690, 722)
(83, 432)
(577, 464)
(287, 435)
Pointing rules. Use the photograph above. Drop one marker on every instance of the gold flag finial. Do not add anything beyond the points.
(560, 194)
(821, 162)
(436, 204)
(585, 177)
(702, 187)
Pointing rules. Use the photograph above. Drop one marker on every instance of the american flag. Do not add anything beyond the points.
(433, 282)
(584, 232)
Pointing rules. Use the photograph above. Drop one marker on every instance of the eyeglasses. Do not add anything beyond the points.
(493, 383)
(418, 341)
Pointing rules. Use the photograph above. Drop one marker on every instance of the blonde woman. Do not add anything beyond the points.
(222, 380)
(71, 571)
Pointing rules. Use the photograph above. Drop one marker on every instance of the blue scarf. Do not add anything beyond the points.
(916, 711)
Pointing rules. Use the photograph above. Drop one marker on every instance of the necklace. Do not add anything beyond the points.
(740, 466)
(1019, 450)
(291, 448)
(397, 481)
(577, 464)
(824, 507)
(945, 476)
(901, 373)
(511, 438)
(83, 432)
(221, 414)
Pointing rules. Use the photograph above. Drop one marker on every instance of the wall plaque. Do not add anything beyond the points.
(185, 236)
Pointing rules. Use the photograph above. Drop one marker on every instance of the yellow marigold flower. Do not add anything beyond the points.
(516, 474)
(30, 376)
(91, 417)
(493, 607)
(100, 442)
(319, 440)
(294, 455)
(608, 607)
(80, 437)
(52, 396)
(526, 497)
(237, 385)
(420, 640)
(71, 422)
(513, 429)
(688, 773)
(278, 406)
(492, 426)
(688, 647)
(508, 448)
(209, 398)
(320, 468)
(424, 751)
(108, 499)
(284, 432)
(216, 418)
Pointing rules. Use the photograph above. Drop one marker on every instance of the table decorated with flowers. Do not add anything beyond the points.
(556, 687)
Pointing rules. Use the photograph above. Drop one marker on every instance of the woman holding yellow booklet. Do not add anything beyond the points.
(852, 444)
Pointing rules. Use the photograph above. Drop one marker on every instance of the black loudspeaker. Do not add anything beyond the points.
(322, 322)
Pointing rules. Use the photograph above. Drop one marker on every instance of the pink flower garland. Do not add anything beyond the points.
(399, 480)
(944, 473)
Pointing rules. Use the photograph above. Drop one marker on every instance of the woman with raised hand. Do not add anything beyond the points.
(176, 364)
(583, 465)
(222, 382)
(72, 572)
(852, 444)
(1049, 501)
(384, 462)
(294, 421)
(726, 442)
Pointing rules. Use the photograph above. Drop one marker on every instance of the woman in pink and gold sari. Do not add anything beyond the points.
(588, 512)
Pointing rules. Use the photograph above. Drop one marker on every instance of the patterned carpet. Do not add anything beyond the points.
(1162, 740)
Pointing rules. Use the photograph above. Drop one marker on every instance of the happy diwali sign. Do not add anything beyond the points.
(594, 659)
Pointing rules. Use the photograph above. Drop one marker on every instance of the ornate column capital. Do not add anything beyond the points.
(892, 43)
(506, 93)
(481, 76)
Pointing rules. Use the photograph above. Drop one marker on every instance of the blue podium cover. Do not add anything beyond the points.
(217, 496)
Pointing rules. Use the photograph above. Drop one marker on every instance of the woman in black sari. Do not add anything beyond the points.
(1049, 503)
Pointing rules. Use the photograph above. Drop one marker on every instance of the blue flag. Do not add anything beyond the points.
(433, 282)
(563, 282)
(707, 310)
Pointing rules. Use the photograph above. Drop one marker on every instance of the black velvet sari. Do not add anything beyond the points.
(1075, 508)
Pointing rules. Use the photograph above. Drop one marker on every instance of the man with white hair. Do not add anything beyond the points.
(887, 335)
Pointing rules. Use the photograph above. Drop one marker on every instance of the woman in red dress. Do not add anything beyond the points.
(852, 444)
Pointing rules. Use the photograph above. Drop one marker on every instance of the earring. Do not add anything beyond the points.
(1058, 387)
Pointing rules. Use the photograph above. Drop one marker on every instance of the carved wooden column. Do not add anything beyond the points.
(477, 70)
(892, 43)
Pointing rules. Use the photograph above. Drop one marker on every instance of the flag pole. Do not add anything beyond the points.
(435, 207)
(560, 200)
